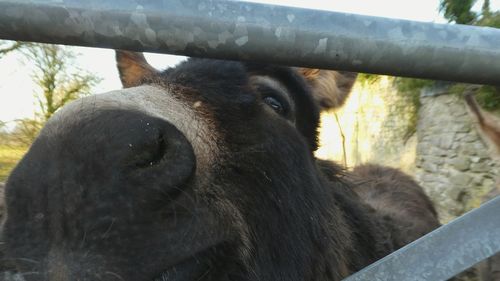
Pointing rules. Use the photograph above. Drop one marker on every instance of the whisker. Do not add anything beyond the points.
(104, 235)
(204, 274)
(115, 275)
(21, 260)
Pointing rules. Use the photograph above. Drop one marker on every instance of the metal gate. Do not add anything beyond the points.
(298, 37)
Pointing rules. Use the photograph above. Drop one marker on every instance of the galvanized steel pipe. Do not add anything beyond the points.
(258, 32)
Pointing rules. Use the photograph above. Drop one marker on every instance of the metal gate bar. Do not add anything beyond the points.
(443, 253)
(258, 32)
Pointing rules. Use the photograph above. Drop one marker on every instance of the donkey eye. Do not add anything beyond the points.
(274, 104)
(275, 99)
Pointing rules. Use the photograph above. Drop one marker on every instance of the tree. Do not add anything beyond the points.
(460, 11)
(58, 81)
(25, 132)
(8, 46)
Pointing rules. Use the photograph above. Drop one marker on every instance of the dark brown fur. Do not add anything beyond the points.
(394, 196)
(397, 197)
(203, 172)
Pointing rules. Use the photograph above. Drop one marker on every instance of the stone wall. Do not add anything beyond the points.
(452, 164)
(446, 155)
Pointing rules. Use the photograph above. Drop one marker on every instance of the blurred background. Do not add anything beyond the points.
(419, 126)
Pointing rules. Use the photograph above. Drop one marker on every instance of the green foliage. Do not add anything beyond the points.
(365, 78)
(488, 97)
(412, 85)
(458, 11)
(409, 89)
(492, 20)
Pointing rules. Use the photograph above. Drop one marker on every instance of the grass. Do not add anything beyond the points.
(9, 156)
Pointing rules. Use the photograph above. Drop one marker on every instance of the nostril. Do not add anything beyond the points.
(153, 153)
(158, 147)
(162, 159)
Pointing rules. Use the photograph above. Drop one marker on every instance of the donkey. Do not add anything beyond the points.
(204, 171)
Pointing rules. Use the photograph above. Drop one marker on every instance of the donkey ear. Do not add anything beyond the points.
(330, 88)
(133, 68)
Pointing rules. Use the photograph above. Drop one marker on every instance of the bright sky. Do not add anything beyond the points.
(17, 91)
